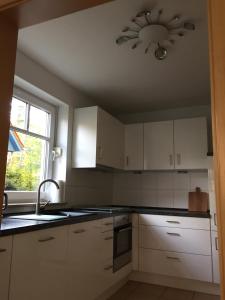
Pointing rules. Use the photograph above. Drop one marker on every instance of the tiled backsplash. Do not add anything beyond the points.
(89, 187)
(159, 189)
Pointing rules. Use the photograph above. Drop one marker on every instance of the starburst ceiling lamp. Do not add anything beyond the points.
(151, 31)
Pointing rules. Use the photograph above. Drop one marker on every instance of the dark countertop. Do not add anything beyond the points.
(11, 226)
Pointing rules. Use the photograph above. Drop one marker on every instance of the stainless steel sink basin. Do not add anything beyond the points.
(52, 217)
(40, 217)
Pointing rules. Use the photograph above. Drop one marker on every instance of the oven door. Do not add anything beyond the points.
(122, 253)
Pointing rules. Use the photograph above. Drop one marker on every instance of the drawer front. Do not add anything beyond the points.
(190, 266)
(174, 221)
(175, 239)
(106, 245)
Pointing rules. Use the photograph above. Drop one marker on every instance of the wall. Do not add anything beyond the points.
(82, 187)
(157, 189)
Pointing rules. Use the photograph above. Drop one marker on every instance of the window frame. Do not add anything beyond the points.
(25, 197)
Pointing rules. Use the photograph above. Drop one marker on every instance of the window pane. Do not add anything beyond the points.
(18, 113)
(39, 121)
(25, 168)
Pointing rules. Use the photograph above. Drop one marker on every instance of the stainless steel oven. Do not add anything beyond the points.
(122, 252)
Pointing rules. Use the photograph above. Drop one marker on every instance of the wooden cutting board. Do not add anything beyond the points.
(198, 201)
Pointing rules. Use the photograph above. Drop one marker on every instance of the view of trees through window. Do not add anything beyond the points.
(28, 147)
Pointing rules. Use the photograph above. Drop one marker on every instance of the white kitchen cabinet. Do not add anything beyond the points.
(90, 259)
(215, 257)
(175, 246)
(175, 239)
(98, 139)
(5, 263)
(134, 147)
(182, 265)
(174, 221)
(190, 143)
(38, 265)
(158, 146)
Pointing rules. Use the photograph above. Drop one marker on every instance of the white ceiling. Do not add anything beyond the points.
(80, 48)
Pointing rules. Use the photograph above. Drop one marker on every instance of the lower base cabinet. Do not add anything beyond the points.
(38, 265)
(190, 266)
(5, 262)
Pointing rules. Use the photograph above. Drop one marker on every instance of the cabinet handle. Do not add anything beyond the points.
(173, 222)
(179, 159)
(215, 219)
(216, 243)
(127, 161)
(46, 239)
(99, 152)
(108, 268)
(2, 250)
(171, 159)
(173, 258)
(173, 234)
(79, 231)
(108, 238)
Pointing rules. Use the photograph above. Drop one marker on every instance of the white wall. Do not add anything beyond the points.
(157, 189)
(82, 187)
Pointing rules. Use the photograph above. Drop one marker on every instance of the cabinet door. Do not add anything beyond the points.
(5, 263)
(110, 141)
(134, 147)
(85, 137)
(190, 142)
(158, 146)
(181, 265)
(90, 256)
(215, 257)
(38, 265)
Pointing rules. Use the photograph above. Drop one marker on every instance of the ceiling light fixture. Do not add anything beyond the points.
(151, 31)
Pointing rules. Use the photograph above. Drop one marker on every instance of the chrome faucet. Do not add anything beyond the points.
(6, 201)
(38, 204)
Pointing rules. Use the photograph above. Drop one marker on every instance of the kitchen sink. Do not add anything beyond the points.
(39, 217)
(51, 217)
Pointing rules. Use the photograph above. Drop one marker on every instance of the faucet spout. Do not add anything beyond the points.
(38, 204)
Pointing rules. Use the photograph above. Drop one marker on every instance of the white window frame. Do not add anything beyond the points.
(25, 197)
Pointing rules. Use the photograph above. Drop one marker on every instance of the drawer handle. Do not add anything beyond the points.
(2, 250)
(173, 234)
(46, 239)
(173, 222)
(216, 243)
(108, 238)
(173, 258)
(108, 268)
(79, 231)
(108, 224)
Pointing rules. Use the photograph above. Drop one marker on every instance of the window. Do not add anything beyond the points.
(30, 144)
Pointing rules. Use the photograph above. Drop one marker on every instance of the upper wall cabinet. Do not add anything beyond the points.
(158, 146)
(190, 143)
(98, 139)
(179, 144)
(134, 147)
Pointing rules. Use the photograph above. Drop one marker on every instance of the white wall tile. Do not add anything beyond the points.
(149, 198)
(127, 197)
(181, 199)
(199, 179)
(165, 180)
(181, 181)
(165, 198)
(149, 181)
